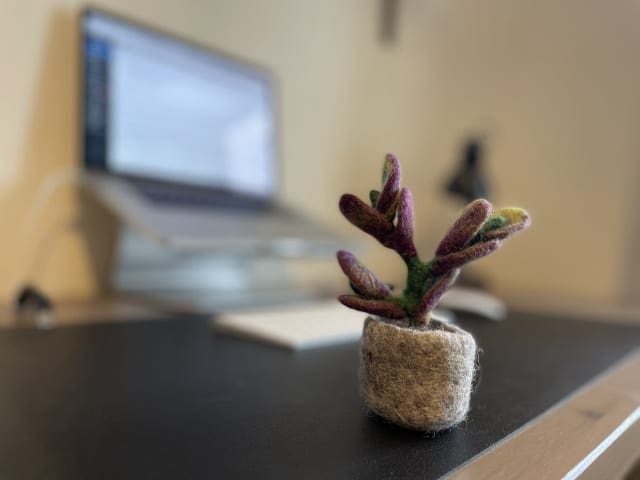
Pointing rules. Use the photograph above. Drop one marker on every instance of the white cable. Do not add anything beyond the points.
(45, 191)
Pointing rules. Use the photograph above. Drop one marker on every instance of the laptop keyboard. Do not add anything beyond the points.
(186, 197)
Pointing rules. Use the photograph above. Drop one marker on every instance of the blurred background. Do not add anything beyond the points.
(551, 88)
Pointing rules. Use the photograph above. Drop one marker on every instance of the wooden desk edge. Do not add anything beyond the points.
(567, 440)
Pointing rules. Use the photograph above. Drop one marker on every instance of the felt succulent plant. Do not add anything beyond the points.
(388, 218)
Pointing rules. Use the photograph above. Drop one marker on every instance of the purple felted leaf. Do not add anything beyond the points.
(505, 232)
(366, 218)
(467, 225)
(521, 220)
(403, 237)
(388, 199)
(381, 308)
(432, 296)
(390, 165)
(457, 259)
(363, 281)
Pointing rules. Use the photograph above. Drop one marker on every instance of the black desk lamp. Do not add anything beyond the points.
(469, 181)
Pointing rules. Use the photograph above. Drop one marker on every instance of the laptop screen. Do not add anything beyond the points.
(159, 108)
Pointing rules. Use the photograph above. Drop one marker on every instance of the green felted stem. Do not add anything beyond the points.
(419, 278)
(373, 197)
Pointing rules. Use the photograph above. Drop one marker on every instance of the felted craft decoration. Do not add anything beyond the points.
(421, 378)
(414, 371)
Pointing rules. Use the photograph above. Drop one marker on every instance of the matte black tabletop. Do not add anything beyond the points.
(172, 399)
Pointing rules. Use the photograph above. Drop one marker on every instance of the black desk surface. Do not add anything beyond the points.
(171, 399)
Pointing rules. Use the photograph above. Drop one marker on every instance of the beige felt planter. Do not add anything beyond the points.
(417, 378)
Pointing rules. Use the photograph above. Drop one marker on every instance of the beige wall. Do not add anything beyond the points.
(553, 84)
(556, 85)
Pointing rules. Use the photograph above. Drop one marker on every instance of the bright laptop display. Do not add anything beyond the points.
(162, 109)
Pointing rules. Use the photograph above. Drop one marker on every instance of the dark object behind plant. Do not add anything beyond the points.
(469, 181)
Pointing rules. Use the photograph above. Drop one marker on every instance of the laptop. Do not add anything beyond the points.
(181, 141)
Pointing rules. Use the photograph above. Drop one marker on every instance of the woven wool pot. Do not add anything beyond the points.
(417, 378)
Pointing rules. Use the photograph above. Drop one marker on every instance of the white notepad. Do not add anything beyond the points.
(295, 327)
